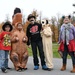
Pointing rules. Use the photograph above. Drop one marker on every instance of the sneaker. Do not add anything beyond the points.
(19, 70)
(44, 67)
(24, 69)
(49, 69)
(36, 67)
(4, 70)
(8, 68)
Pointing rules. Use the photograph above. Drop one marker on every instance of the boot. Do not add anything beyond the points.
(73, 70)
(63, 67)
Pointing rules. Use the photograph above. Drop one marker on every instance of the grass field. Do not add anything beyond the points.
(55, 51)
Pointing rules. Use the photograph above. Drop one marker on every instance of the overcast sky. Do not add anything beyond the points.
(48, 8)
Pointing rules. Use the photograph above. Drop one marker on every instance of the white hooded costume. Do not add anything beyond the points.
(46, 34)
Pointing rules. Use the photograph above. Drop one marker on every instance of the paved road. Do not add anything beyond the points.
(56, 71)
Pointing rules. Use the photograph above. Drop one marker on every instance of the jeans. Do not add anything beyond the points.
(34, 46)
(65, 53)
(4, 58)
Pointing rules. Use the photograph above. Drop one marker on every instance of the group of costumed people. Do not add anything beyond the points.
(14, 41)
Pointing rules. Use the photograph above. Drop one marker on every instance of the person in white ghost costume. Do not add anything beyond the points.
(46, 34)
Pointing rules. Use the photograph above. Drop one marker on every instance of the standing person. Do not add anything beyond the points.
(34, 37)
(67, 42)
(5, 46)
(19, 53)
(46, 34)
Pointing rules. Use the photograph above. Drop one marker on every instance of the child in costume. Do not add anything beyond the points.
(46, 34)
(67, 42)
(5, 46)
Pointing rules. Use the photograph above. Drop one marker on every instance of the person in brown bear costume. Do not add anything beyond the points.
(19, 52)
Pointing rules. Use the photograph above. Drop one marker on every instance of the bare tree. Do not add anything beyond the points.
(7, 18)
(40, 16)
(23, 19)
(35, 13)
(54, 29)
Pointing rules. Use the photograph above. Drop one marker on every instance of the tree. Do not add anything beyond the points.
(1, 24)
(35, 13)
(54, 28)
(23, 19)
(7, 18)
(40, 16)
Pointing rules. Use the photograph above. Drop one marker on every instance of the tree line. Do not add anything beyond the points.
(54, 22)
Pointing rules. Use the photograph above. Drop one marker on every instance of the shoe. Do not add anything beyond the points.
(19, 70)
(44, 67)
(49, 69)
(8, 68)
(24, 69)
(4, 70)
(36, 67)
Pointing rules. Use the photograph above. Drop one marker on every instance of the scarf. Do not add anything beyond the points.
(65, 33)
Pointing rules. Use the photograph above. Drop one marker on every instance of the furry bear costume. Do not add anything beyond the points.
(19, 52)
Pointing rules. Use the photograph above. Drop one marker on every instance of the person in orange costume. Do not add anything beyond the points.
(19, 52)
